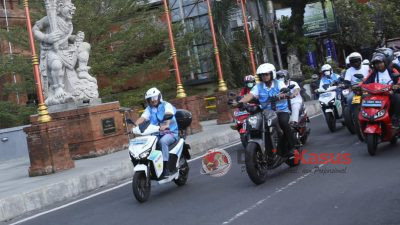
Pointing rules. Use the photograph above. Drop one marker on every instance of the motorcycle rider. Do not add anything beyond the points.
(314, 85)
(263, 91)
(383, 73)
(155, 111)
(296, 100)
(355, 59)
(328, 76)
(249, 83)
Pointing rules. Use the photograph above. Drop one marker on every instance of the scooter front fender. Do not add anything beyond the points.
(373, 129)
(139, 168)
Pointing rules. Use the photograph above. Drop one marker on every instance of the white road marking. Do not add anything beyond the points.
(96, 194)
(316, 116)
(243, 212)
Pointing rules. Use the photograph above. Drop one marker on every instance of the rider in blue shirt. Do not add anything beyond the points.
(263, 91)
(154, 113)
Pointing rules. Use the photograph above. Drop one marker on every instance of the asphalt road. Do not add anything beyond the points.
(366, 191)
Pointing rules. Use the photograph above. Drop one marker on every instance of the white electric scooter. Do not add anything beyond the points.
(331, 105)
(147, 158)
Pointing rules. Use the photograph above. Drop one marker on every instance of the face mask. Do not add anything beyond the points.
(327, 73)
(250, 85)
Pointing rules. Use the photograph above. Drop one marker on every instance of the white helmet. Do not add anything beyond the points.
(365, 62)
(355, 55)
(326, 67)
(153, 94)
(267, 68)
(397, 54)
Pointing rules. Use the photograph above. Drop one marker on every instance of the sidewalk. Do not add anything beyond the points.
(20, 194)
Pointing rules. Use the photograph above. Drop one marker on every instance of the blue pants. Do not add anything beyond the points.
(165, 141)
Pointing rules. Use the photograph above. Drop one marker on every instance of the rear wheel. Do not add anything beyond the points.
(357, 125)
(372, 142)
(183, 172)
(348, 120)
(256, 166)
(331, 121)
(141, 186)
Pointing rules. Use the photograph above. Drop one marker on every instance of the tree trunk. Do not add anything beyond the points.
(297, 22)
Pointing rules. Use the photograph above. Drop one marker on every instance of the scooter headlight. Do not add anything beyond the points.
(364, 114)
(253, 121)
(331, 102)
(380, 114)
(144, 154)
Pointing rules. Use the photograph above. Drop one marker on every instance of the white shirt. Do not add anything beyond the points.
(254, 90)
(350, 72)
(168, 110)
(298, 98)
(383, 78)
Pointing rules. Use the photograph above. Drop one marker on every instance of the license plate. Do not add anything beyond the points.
(373, 104)
(356, 100)
(326, 95)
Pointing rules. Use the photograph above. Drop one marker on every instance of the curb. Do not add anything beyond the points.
(19, 204)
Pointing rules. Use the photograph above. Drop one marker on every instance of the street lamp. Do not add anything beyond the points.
(179, 87)
(44, 116)
(246, 29)
(221, 82)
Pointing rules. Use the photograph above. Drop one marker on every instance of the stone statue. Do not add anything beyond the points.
(63, 57)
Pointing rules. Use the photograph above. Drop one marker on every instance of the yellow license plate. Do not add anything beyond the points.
(356, 100)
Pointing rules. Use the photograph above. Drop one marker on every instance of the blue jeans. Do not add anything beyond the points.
(165, 141)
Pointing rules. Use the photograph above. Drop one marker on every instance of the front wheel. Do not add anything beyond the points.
(256, 165)
(357, 125)
(348, 120)
(372, 142)
(183, 172)
(331, 121)
(243, 139)
(141, 186)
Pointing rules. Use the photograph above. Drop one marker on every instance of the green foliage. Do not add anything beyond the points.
(360, 22)
(14, 115)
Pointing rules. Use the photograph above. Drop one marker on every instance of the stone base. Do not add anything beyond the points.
(92, 131)
(73, 105)
(48, 149)
(193, 104)
(224, 111)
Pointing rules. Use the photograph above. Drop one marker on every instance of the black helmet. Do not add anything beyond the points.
(282, 74)
(388, 54)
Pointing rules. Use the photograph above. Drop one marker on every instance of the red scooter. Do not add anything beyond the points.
(375, 121)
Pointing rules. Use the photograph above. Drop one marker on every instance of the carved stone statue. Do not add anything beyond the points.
(63, 57)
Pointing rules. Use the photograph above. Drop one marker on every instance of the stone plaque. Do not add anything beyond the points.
(108, 126)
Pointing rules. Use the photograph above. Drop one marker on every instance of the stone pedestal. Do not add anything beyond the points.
(193, 104)
(92, 131)
(224, 111)
(48, 148)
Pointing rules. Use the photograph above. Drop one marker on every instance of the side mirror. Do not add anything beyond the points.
(359, 76)
(291, 86)
(168, 117)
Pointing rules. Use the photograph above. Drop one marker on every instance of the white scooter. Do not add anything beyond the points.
(147, 157)
(331, 105)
